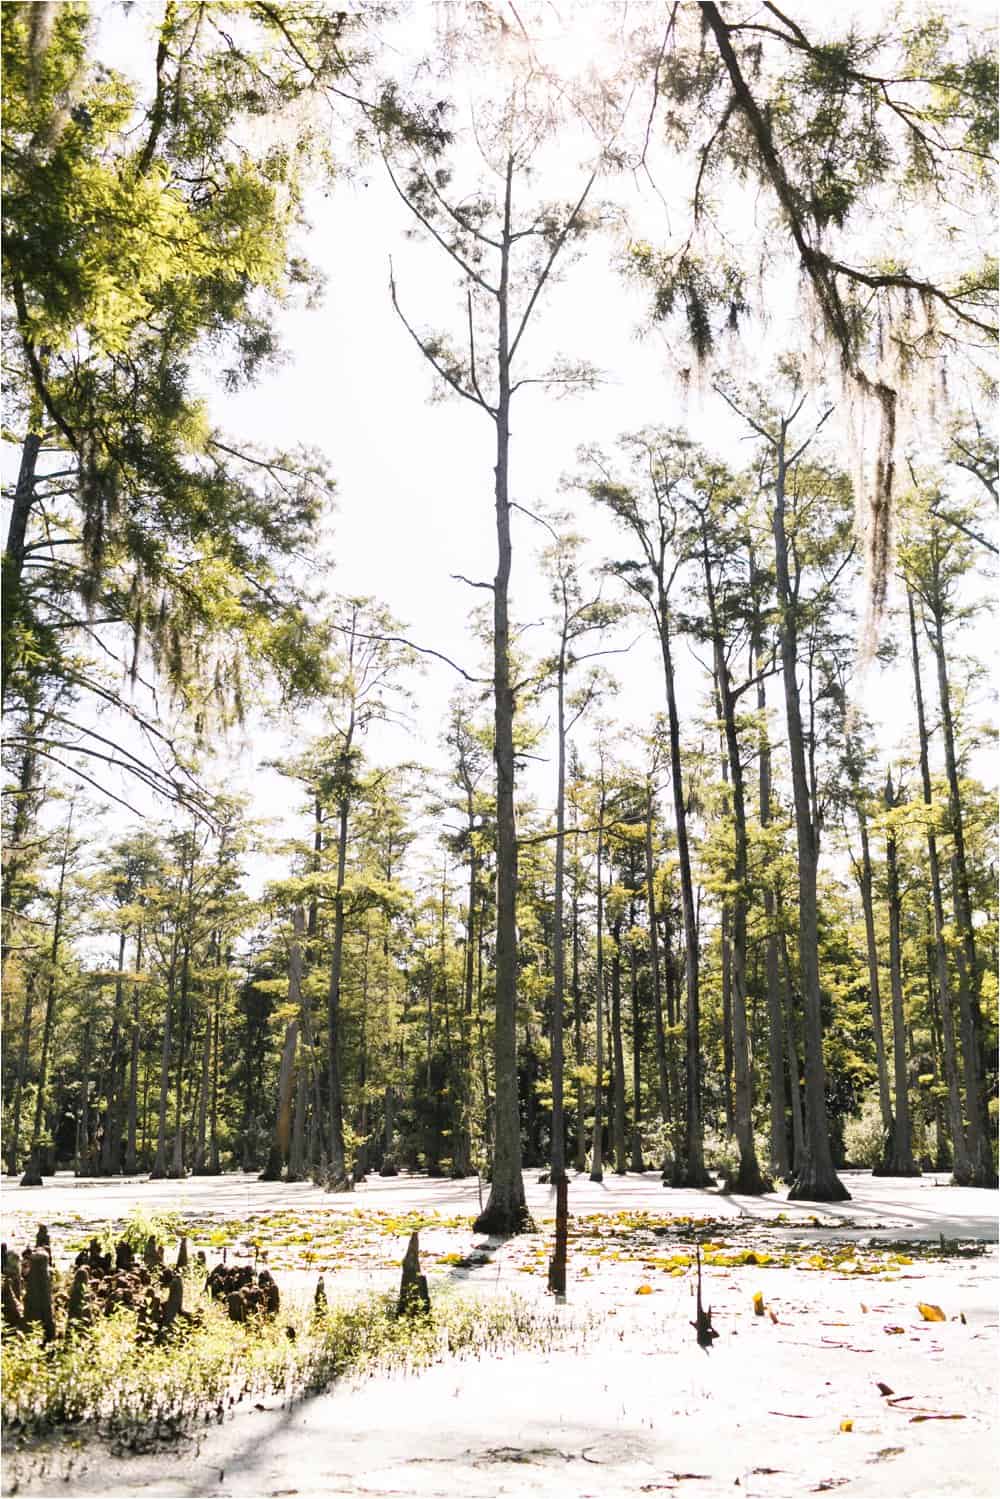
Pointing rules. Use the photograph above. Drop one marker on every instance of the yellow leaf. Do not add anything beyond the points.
(847, 1425)
(758, 1303)
(644, 1290)
(930, 1312)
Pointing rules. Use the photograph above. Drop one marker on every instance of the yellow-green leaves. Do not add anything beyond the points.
(930, 1312)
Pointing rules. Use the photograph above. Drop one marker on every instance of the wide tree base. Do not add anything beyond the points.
(272, 1171)
(338, 1181)
(682, 1177)
(983, 1177)
(502, 1221)
(890, 1168)
(749, 1181)
(388, 1169)
(597, 1175)
(816, 1188)
(984, 1171)
(32, 1178)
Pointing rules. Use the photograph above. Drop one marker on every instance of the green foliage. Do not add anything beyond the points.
(139, 1393)
(141, 241)
(864, 1134)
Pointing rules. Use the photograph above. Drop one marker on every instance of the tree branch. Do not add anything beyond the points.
(547, 268)
(449, 379)
(460, 261)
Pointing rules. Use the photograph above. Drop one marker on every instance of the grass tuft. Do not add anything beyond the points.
(138, 1394)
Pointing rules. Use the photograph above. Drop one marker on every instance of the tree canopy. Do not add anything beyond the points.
(690, 863)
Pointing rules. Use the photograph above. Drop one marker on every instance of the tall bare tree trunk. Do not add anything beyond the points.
(110, 1159)
(33, 1173)
(663, 1087)
(132, 1113)
(961, 1164)
(780, 1163)
(83, 1165)
(281, 1139)
(637, 1162)
(979, 1133)
(337, 1179)
(14, 899)
(794, 1076)
(160, 1163)
(581, 1108)
(874, 995)
(14, 553)
(815, 1178)
(14, 1148)
(506, 1211)
(726, 956)
(297, 1149)
(748, 1179)
(198, 1165)
(218, 1039)
(690, 1173)
(558, 1156)
(597, 1143)
(899, 1157)
(177, 1164)
(465, 1102)
(176, 1168)
(618, 1052)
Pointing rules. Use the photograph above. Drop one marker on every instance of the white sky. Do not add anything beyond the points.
(415, 498)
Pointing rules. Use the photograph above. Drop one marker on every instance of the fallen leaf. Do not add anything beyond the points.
(930, 1312)
(758, 1303)
(894, 1329)
(847, 1424)
(772, 1314)
(930, 1417)
(883, 1388)
(644, 1290)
